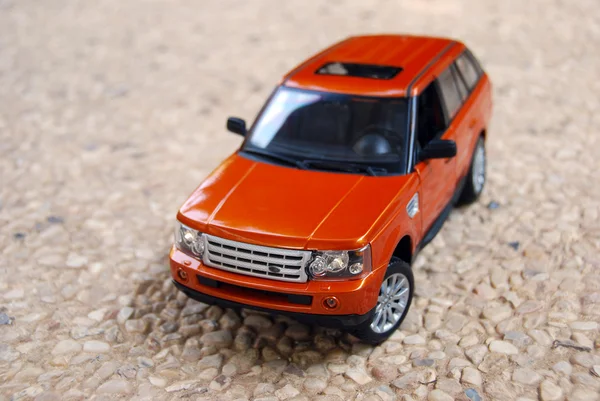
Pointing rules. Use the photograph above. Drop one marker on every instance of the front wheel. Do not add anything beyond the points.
(475, 179)
(395, 296)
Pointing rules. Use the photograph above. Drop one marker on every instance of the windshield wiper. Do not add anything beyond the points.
(273, 156)
(342, 166)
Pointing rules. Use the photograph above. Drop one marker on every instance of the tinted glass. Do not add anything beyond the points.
(430, 118)
(468, 70)
(310, 125)
(462, 87)
(450, 93)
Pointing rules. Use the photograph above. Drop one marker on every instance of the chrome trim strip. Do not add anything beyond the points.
(255, 260)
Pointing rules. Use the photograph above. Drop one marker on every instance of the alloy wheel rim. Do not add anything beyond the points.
(479, 168)
(391, 303)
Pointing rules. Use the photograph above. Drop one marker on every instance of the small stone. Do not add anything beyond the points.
(76, 261)
(585, 359)
(258, 322)
(96, 346)
(298, 332)
(219, 339)
(136, 326)
(526, 376)
(423, 362)
(550, 391)
(211, 361)
(450, 386)
(5, 319)
(314, 385)
(503, 347)
(518, 338)
(493, 205)
(485, 291)
(471, 376)
(157, 381)
(563, 367)
(497, 314)
(439, 395)
(194, 308)
(208, 374)
(414, 339)
(287, 391)
(179, 386)
(476, 353)
(409, 381)
(114, 387)
(472, 394)
(529, 307)
(358, 375)
(220, 383)
(124, 314)
(66, 347)
(584, 326)
(15, 293)
(595, 370)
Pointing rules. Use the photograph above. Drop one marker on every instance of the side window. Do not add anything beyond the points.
(462, 87)
(430, 116)
(469, 69)
(450, 94)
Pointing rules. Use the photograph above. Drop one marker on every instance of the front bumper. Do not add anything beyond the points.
(305, 301)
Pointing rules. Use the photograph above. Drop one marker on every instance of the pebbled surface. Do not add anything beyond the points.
(111, 112)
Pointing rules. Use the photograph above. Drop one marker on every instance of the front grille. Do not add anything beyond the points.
(255, 260)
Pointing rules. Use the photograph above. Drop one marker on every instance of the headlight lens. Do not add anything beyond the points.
(189, 240)
(340, 264)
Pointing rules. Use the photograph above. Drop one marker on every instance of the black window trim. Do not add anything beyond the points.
(469, 55)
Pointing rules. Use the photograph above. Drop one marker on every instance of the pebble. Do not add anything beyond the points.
(358, 375)
(114, 387)
(503, 347)
(414, 339)
(96, 346)
(584, 326)
(526, 376)
(550, 391)
(497, 314)
(219, 339)
(439, 395)
(157, 381)
(66, 347)
(124, 314)
(471, 376)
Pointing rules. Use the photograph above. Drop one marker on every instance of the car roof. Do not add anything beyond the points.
(412, 54)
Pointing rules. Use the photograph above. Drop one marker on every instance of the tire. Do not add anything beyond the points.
(367, 332)
(476, 177)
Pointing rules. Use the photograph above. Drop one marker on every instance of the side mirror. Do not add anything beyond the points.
(438, 149)
(236, 125)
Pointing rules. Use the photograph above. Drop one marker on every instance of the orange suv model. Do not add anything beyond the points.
(349, 170)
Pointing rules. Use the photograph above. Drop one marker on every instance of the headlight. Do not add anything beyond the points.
(189, 240)
(340, 264)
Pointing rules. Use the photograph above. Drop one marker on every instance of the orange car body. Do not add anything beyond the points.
(270, 205)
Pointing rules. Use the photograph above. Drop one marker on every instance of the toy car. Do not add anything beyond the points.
(349, 170)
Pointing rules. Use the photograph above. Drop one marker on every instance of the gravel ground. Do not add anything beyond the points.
(111, 112)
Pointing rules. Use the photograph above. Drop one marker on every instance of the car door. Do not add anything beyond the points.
(437, 176)
(469, 118)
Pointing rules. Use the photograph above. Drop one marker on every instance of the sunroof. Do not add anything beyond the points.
(359, 70)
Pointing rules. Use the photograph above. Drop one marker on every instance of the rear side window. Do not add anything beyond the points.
(450, 93)
(469, 69)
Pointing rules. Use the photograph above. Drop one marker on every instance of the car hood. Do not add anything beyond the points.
(266, 204)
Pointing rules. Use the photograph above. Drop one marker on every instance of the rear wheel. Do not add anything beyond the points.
(476, 177)
(395, 296)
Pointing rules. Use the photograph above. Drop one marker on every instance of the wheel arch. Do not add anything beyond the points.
(404, 249)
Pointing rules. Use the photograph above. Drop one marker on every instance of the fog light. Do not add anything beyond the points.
(330, 302)
(182, 274)
(356, 268)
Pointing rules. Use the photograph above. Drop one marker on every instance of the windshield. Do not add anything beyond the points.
(314, 127)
